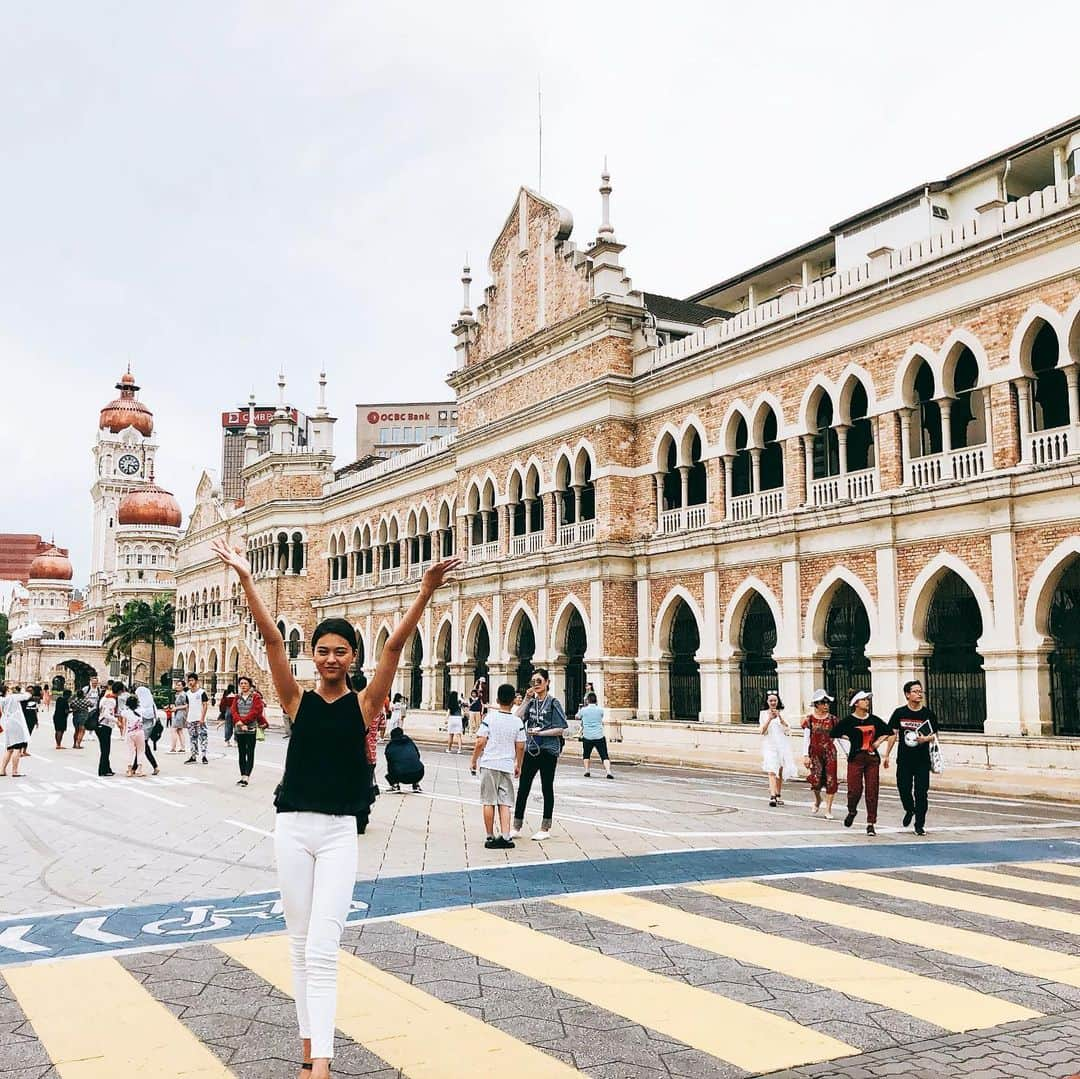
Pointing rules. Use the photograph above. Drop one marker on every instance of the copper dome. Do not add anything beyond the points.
(51, 565)
(126, 411)
(149, 505)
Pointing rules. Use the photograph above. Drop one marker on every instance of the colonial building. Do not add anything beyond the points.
(136, 526)
(854, 464)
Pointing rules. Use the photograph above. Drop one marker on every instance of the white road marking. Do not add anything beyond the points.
(860, 826)
(248, 827)
(11, 939)
(90, 929)
(631, 807)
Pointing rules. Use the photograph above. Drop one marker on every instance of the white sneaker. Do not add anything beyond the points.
(542, 835)
(829, 816)
(515, 833)
(814, 812)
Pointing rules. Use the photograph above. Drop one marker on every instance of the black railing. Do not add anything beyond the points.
(685, 692)
(956, 697)
(757, 675)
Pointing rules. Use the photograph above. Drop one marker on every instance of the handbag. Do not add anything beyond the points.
(937, 765)
(260, 734)
(92, 721)
(156, 731)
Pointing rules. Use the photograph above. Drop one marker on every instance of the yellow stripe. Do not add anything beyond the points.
(934, 1001)
(747, 1037)
(97, 1022)
(980, 947)
(408, 1028)
(1058, 921)
(1062, 869)
(1005, 880)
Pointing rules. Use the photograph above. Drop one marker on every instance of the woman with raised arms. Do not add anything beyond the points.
(326, 785)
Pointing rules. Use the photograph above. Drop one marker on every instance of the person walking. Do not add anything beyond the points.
(80, 712)
(225, 716)
(106, 724)
(499, 751)
(16, 733)
(324, 789)
(248, 719)
(61, 709)
(147, 709)
(915, 726)
(30, 706)
(777, 757)
(398, 710)
(403, 763)
(178, 719)
(819, 752)
(129, 724)
(592, 735)
(455, 722)
(865, 732)
(198, 703)
(545, 729)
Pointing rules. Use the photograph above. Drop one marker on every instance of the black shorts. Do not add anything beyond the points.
(18, 745)
(589, 744)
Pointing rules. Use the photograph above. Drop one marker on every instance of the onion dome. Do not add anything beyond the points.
(149, 505)
(126, 411)
(51, 565)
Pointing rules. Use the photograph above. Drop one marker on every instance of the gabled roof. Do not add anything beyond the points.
(669, 309)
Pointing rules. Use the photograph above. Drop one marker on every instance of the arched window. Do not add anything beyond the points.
(672, 481)
(926, 431)
(524, 650)
(294, 643)
(742, 467)
(955, 683)
(826, 443)
(860, 437)
(1050, 399)
(1064, 625)
(576, 641)
(757, 668)
(684, 676)
(847, 632)
(772, 454)
(967, 416)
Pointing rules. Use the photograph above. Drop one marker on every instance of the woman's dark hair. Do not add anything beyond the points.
(453, 702)
(543, 672)
(132, 702)
(337, 626)
(245, 678)
(772, 693)
(230, 689)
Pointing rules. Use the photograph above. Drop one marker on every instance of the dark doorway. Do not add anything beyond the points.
(757, 668)
(847, 630)
(524, 649)
(416, 672)
(684, 678)
(1065, 658)
(955, 682)
(576, 643)
(481, 651)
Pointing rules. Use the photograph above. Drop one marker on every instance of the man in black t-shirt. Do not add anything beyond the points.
(916, 727)
(864, 732)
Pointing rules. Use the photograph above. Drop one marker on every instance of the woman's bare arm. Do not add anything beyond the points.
(288, 692)
(372, 697)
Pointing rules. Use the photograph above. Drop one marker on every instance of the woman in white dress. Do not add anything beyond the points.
(16, 732)
(777, 756)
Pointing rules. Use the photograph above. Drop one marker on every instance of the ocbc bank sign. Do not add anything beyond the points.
(394, 417)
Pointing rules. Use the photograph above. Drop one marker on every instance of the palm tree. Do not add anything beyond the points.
(156, 624)
(140, 621)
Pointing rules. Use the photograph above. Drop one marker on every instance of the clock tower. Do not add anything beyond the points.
(123, 462)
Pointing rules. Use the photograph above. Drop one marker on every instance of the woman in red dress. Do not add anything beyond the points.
(820, 752)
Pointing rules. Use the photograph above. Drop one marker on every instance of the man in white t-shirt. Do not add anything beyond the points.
(198, 703)
(499, 748)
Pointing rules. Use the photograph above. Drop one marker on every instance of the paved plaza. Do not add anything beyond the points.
(674, 925)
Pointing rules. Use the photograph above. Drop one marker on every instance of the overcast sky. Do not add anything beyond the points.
(213, 190)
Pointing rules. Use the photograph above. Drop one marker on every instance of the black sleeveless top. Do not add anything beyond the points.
(326, 765)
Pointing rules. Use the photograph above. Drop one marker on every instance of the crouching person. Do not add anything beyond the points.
(403, 763)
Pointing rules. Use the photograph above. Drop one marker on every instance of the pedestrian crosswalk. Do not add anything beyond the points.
(710, 972)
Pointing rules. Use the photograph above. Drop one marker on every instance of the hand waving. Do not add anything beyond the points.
(233, 557)
(437, 574)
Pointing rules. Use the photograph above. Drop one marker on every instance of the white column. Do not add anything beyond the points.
(729, 468)
(1000, 642)
(905, 444)
(1071, 378)
(1023, 403)
(945, 407)
(808, 458)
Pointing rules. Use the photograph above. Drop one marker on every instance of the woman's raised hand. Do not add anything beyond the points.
(233, 557)
(438, 573)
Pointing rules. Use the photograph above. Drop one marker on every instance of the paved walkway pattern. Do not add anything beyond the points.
(912, 967)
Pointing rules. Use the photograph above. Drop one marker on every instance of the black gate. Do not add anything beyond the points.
(1065, 659)
(576, 642)
(953, 675)
(847, 630)
(525, 650)
(757, 668)
(416, 673)
(684, 679)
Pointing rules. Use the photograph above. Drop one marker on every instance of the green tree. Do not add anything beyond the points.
(152, 623)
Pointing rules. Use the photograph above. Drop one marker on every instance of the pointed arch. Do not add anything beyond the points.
(382, 635)
(1034, 628)
(520, 610)
(736, 608)
(962, 338)
(1070, 325)
(1027, 330)
(691, 425)
(561, 620)
(737, 410)
(515, 483)
(817, 609)
(665, 614)
(851, 377)
(765, 404)
(477, 617)
(819, 385)
(584, 458)
(908, 368)
(921, 594)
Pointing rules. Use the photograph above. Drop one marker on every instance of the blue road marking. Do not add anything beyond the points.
(28, 939)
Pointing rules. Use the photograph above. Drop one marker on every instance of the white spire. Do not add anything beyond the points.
(281, 390)
(466, 281)
(322, 392)
(607, 232)
(251, 430)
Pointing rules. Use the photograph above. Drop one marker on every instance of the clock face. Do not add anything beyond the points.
(128, 464)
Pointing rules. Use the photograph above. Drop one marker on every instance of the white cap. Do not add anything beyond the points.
(819, 695)
(862, 695)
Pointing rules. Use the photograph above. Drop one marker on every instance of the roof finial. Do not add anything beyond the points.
(466, 281)
(251, 429)
(281, 388)
(322, 391)
(607, 232)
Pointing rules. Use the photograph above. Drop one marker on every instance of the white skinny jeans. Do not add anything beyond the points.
(316, 862)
